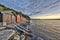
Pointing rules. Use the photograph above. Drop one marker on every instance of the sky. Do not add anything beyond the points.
(34, 8)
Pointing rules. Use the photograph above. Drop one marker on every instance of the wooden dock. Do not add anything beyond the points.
(6, 34)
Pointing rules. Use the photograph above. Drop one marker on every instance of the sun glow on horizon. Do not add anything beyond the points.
(55, 16)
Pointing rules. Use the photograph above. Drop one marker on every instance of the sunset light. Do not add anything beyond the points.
(55, 16)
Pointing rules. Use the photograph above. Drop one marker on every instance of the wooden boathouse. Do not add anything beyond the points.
(6, 17)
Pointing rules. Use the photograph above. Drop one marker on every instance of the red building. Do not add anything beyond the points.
(18, 18)
(23, 19)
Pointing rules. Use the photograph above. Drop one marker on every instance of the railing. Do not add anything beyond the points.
(26, 34)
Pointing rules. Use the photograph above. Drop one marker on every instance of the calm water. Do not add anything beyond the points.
(46, 29)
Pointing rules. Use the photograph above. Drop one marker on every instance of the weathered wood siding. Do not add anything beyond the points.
(8, 18)
(13, 19)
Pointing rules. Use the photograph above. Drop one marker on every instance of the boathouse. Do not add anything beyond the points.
(6, 17)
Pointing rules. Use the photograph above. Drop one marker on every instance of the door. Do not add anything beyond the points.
(18, 19)
(1, 17)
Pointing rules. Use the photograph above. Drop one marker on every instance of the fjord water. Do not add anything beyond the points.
(46, 29)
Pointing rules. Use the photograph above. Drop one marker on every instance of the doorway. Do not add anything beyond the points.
(1, 17)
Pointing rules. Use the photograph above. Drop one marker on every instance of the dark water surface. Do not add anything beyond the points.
(46, 29)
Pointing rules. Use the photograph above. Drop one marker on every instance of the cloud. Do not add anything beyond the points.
(32, 7)
(51, 4)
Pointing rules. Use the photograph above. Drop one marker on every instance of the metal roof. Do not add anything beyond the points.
(6, 11)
